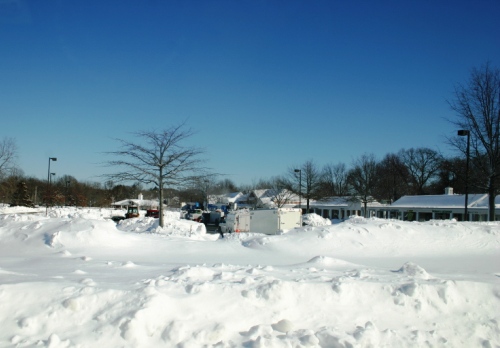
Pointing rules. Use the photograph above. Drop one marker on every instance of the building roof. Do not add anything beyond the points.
(442, 201)
(342, 202)
(332, 201)
(273, 196)
(235, 197)
(138, 202)
(227, 197)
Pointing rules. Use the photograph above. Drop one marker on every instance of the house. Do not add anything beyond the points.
(227, 198)
(260, 199)
(272, 198)
(343, 207)
(440, 207)
(140, 202)
(265, 198)
(332, 208)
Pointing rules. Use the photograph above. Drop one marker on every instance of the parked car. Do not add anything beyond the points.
(155, 213)
(194, 215)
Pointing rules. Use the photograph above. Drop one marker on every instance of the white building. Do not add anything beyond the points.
(411, 208)
(440, 207)
(273, 198)
(139, 201)
(343, 207)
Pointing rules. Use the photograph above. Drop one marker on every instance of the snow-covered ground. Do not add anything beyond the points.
(74, 278)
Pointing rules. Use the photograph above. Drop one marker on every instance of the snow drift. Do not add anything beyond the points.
(76, 278)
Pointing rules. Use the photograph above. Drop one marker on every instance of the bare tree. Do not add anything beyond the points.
(423, 164)
(226, 186)
(207, 186)
(308, 176)
(363, 179)
(279, 192)
(334, 180)
(161, 160)
(8, 154)
(393, 179)
(477, 108)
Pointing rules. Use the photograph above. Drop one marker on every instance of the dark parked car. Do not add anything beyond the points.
(153, 213)
(117, 218)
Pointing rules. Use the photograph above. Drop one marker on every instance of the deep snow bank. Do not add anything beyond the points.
(78, 279)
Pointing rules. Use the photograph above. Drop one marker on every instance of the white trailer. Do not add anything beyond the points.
(267, 221)
(236, 221)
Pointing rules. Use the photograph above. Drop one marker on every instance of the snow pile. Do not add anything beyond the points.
(413, 270)
(76, 278)
(7, 209)
(313, 219)
(87, 213)
(173, 226)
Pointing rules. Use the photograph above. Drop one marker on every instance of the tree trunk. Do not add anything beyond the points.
(160, 203)
(491, 199)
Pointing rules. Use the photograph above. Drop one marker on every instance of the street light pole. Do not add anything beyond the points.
(206, 194)
(465, 132)
(66, 199)
(48, 187)
(300, 188)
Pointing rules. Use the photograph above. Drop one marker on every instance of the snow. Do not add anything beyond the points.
(74, 278)
(442, 201)
(315, 220)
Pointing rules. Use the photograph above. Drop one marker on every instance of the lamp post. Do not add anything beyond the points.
(66, 199)
(300, 188)
(206, 194)
(48, 182)
(463, 133)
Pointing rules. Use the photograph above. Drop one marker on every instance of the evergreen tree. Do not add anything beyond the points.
(21, 197)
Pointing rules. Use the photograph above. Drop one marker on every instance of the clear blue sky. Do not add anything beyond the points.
(266, 84)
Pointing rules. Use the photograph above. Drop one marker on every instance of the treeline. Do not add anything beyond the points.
(415, 171)
(17, 189)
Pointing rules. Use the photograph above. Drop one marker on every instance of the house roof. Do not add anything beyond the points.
(441, 201)
(228, 197)
(238, 197)
(342, 202)
(260, 193)
(269, 197)
(138, 202)
(332, 201)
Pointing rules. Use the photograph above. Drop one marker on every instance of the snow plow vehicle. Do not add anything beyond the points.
(132, 212)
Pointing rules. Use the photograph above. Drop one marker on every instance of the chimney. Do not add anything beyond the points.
(140, 196)
(448, 190)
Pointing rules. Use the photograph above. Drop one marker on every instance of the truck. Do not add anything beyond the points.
(215, 214)
(194, 215)
(267, 221)
(213, 217)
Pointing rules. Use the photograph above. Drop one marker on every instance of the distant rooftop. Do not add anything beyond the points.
(442, 201)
